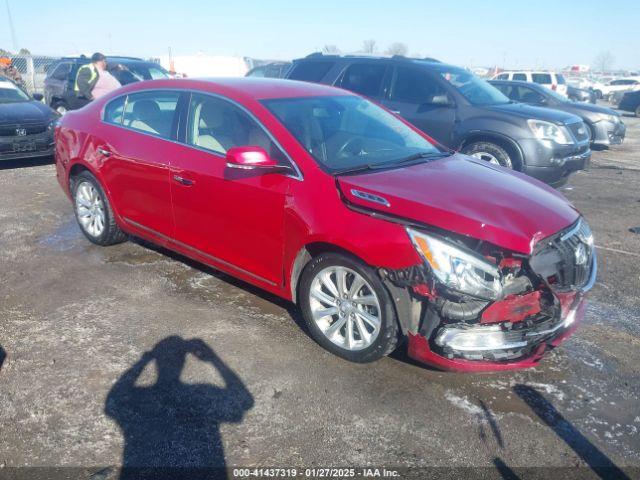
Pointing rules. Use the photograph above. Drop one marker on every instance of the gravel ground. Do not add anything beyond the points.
(133, 355)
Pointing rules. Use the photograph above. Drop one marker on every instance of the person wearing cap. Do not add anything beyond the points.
(87, 78)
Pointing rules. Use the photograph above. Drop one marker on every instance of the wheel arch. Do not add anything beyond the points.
(509, 144)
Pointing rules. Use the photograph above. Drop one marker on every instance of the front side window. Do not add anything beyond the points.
(542, 78)
(474, 89)
(528, 95)
(114, 110)
(364, 78)
(313, 71)
(217, 125)
(413, 86)
(151, 112)
(348, 132)
(61, 71)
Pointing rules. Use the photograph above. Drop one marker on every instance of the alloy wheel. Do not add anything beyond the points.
(90, 209)
(345, 308)
(487, 157)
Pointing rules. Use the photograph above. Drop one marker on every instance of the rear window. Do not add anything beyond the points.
(542, 78)
(310, 71)
(364, 78)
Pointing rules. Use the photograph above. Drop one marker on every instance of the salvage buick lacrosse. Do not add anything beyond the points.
(328, 200)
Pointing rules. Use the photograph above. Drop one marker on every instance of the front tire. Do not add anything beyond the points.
(489, 152)
(93, 211)
(347, 309)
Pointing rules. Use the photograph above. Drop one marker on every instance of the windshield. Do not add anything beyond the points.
(347, 132)
(474, 89)
(9, 93)
(137, 72)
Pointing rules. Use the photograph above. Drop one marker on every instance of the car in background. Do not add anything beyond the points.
(461, 111)
(580, 95)
(26, 124)
(477, 267)
(59, 85)
(630, 102)
(605, 125)
(551, 80)
(620, 85)
(270, 70)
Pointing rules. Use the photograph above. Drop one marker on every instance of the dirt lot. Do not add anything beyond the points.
(81, 326)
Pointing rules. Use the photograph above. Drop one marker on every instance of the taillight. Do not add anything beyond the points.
(554, 86)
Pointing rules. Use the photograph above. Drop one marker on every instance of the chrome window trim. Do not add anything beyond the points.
(298, 173)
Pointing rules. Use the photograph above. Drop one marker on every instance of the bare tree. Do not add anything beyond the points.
(369, 46)
(603, 61)
(24, 51)
(397, 48)
(330, 50)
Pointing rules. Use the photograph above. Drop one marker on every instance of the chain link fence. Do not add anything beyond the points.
(33, 70)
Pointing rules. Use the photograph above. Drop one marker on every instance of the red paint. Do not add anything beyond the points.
(253, 224)
(513, 308)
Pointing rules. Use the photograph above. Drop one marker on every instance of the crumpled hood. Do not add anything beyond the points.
(466, 196)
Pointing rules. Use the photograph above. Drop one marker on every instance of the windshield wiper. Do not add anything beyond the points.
(405, 161)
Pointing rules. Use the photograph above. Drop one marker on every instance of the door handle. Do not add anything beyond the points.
(104, 152)
(183, 181)
(397, 112)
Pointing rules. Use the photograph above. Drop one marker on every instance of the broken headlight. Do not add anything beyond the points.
(456, 268)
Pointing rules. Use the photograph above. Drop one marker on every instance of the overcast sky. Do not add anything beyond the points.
(520, 33)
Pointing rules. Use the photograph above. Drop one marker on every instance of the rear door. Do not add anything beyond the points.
(139, 144)
(233, 217)
(422, 100)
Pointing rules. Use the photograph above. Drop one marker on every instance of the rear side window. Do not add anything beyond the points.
(113, 111)
(413, 86)
(542, 78)
(151, 112)
(61, 71)
(503, 76)
(520, 76)
(561, 80)
(310, 71)
(364, 78)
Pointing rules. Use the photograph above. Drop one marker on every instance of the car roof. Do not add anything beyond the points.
(109, 57)
(247, 87)
(394, 58)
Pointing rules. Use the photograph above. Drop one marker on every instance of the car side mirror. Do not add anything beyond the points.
(250, 158)
(37, 97)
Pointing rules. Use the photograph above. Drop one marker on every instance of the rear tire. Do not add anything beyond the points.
(489, 152)
(360, 323)
(93, 211)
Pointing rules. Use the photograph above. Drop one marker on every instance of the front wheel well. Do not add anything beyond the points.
(509, 145)
(306, 254)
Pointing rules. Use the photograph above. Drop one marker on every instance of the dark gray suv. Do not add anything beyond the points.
(461, 111)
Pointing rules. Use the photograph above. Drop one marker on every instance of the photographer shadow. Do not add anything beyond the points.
(172, 429)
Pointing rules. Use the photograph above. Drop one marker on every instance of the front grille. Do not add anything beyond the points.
(12, 130)
(565, 260)
(579, 131)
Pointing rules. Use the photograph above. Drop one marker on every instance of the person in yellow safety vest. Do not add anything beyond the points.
(87, 77)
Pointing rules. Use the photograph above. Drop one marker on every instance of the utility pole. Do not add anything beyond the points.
(13, 32)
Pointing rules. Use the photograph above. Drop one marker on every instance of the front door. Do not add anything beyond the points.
(424, 102)
(234, 217)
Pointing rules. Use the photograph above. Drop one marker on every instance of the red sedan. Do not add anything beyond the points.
(328, 200)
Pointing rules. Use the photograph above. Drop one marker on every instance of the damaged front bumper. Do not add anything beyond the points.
(511, 333)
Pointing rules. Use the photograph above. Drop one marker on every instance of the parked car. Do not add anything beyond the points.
(59, 85)
(580, 95)
(551, 80)
(26, 124)
(270, 70)
(631, 102)
(480, 268)
(605, 125)
(618, 85)
(460, 111)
